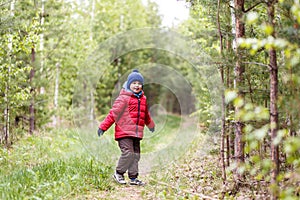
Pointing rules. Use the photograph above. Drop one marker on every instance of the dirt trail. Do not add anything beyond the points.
(126, 192)
(155, 188)
(120, 192)
(195, 175)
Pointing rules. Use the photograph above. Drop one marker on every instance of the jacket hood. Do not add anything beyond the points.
(125, 87)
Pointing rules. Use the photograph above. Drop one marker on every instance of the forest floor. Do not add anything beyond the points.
(197, 175)
(191, 177)
(54, 165)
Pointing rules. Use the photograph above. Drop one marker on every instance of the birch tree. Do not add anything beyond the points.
(7, 85)
(16, 40)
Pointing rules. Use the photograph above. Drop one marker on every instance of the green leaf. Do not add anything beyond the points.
(252, 17)
(230, 95)
(267, 29)
(261, 133)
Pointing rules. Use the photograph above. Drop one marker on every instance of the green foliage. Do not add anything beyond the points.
(19, 34)
(68, 37)
(255, 115)
(287, 43)
(63, 34)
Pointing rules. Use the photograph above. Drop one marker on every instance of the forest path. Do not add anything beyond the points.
(178, 178)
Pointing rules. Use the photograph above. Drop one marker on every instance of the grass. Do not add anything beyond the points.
(55, 179)
(168, 143)
(77, 164)
(50, 166)
(165, 133)
(67, 163)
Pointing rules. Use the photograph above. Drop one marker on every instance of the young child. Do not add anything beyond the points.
(130, 114)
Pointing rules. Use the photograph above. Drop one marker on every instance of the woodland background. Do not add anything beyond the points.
(254, 45)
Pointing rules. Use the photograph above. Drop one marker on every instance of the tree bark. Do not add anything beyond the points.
(92, 92)
(31, 106)
(6, 110)
(239, 82)
(223, 126)
(42, 36)
(273, 102)
(56, 92)
(229, 135)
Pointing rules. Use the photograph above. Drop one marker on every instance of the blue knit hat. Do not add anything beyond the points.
(134, 76)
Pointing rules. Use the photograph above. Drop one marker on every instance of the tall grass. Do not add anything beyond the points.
(50, 166)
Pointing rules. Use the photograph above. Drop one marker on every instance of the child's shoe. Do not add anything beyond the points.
(135, 181)
(119, 178)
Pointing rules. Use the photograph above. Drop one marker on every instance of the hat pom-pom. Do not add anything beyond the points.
(135, 70)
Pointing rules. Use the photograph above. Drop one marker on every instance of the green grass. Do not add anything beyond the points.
(173, 136)
(50, 166)
(55, 179)
(66, 163)
(165, 133)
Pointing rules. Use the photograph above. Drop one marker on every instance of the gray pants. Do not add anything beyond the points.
(130, 148)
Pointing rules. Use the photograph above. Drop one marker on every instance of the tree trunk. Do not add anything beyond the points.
(239, 82)
(273, 103)
(32, 90)
(56, 92)
(6, 110)
(228, 146)
(223, 132)
(229, 135)
(223, 126)
(42, 22)
(92, 92)
(42, 36)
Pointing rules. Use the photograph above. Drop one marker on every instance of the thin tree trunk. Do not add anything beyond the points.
(273, 103)
(223, 132)
(229, 142)
(6, 110)
(42, 36)
(56, 92)
(42, 89)
(239, 82)
(32, 91)
(228, 147)
(274, 115)
(91, 92)
(223, 126)
(233, 22)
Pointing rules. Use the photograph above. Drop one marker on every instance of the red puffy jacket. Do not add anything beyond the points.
(130, 114)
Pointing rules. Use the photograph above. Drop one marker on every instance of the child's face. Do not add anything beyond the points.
(136, 86)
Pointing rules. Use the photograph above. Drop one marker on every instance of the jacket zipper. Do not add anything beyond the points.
(138, 119)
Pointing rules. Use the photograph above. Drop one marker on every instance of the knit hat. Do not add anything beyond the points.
(134, 76)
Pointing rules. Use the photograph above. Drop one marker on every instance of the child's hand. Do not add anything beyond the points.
(152, 129)
(100, 132)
